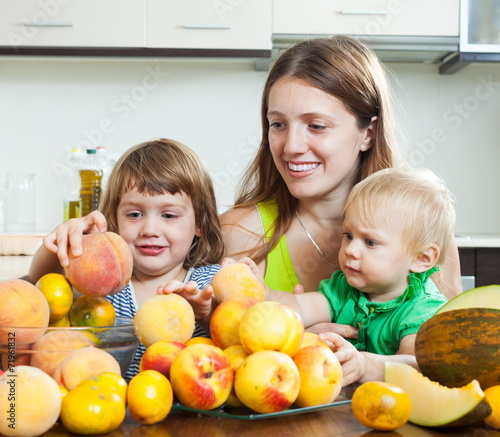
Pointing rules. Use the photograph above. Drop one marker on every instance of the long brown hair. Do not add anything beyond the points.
(347, 69)
(167, 166)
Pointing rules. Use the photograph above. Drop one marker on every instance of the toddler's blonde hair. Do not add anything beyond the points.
(415, 198)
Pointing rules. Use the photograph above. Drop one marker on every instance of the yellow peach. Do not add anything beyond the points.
(164, 317)
(22, 305)
(54, 346)
(225, 321)
(237, 280)
(30, 402)
(82, 364)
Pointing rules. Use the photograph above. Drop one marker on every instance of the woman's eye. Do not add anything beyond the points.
(316, 127)
(275, 124)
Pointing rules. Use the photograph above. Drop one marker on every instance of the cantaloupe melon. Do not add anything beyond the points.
(457, 346)
(434, 405)
(480, 297)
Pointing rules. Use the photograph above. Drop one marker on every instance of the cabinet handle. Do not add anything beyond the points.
(49, 24)
(207, 26)
(366, 12)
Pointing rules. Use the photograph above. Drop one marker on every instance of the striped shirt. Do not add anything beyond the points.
(125, 305)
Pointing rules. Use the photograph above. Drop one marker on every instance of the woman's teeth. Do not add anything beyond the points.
(302, 167)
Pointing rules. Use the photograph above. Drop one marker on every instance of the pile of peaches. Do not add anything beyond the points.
(258, 355)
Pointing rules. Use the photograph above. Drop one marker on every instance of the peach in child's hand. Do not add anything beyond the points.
(103, 268)
(237, 280)
(164, 317)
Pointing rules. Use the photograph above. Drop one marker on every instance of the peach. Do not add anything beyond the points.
(160, 355)
(30, 402)
(320, 375)
(22, 304)
(237, 280)
(82, 364)
(267, 381)
(225, 321)
(103, 268)
(311, 338)
(164, 317)
(271, 325)
(237, 355)
(54, 346)
(202, 376)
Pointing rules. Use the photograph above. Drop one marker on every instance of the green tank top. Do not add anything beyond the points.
(280, 274)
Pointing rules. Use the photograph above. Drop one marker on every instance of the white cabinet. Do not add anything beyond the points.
(210, 24)
(367, 17)
(72, 23)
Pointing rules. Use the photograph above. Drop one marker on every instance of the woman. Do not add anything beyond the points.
(327, 123)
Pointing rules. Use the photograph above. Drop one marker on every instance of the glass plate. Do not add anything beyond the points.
(247, 414)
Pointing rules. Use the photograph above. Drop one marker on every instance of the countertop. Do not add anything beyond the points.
(478, 240)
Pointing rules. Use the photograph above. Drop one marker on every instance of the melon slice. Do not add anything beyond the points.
(435, 405)
(480, 297)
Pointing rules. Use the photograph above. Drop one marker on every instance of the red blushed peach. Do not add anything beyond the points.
(320, 375)
(225, 321)
(202, 376)
(22, 305)
(160, 355)
(103, 268)
(267, 381)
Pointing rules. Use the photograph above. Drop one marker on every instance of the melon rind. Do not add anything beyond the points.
(487, 296)
(434, 405)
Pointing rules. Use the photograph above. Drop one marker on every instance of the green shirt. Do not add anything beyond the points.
(280, 274)
(382, 325)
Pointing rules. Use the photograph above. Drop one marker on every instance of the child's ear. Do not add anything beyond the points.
(425, 260)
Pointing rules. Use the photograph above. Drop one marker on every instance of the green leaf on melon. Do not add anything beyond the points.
(480, 297)
(434, 405)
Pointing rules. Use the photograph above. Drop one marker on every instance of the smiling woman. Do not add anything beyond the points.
(327, 123)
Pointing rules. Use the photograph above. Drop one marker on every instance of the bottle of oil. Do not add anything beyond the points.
(90, 177)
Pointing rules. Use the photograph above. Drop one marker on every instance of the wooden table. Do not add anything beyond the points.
(336, 421)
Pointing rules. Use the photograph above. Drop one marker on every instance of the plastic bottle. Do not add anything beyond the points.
(71, 197)
(105, 164)
(90, 177)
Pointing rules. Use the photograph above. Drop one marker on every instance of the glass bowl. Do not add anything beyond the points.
(47, 347)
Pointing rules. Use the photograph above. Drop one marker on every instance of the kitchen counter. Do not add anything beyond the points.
(15, 266)
(478, 240)
(336, 421)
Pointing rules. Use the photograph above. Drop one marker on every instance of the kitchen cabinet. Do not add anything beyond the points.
(75, 23)
(367, 17)
(136, 27)
(481, 262)
(202, 24)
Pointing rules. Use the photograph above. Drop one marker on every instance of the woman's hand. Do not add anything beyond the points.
(352, 361)
(200, 300)
(68, 235)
